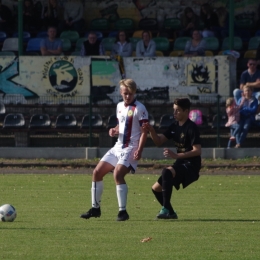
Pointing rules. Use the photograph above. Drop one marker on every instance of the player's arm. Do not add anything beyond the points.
(114, 131)
(158, 139)
(196, 151)
(142, 141)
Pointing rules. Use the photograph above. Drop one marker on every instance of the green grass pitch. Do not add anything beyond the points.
(219, 218)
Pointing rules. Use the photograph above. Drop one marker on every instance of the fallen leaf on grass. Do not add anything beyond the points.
(147, 239)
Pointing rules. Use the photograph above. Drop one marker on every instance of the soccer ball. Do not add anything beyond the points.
(7, 213)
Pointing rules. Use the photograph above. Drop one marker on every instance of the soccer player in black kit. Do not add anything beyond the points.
(186, 167)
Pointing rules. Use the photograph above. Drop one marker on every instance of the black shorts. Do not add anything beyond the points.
(185, 175)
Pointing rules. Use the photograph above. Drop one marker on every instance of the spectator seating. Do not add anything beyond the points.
(79, 43)
(159, 54)
(34, 45)
(134, 41)
(245, 35)
(26, 36)
(73, 36)
(257, 33)
(75, 53)
(113, 34)
(238, 43)
(254, 43)
(179, 53)
(138, 33)
(98, 33)
(15, 120)
(39, 121)
(244, 24)
(180, 43)
(112, 121)
(66, 121)
(95, 121)
(66, 44)
(148, 24)
(172, 24)
(99, 24)
(250, 54)
(124, 24)
(108, 43)
(7, 53)
(10, 44)
(220, 120)
(212, 43)
(3, 36)
(42, 34)
(162, 43)
(209, 53)
(165, 121)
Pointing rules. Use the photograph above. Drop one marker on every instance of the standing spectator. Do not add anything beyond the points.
(196, 46)
(122, 47)
(51, 14)
(6, 23)
(92, 47)
(233, 113)
(210, 20)
(250, 78)
(185, 169)
(51, 45)
(189, 22)
(73, 16)
(124, 156)
(28, 14)
(223, 19)
(146, 47)
(248, 110)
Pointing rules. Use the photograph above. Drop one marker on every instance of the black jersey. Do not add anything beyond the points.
(184, 138)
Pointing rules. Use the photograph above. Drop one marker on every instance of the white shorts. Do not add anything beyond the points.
(117, 155)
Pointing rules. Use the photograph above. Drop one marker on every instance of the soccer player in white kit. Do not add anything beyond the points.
(124, 156)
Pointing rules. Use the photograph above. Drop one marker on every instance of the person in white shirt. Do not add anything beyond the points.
(122, 47)
(124, 156)
(146, 47)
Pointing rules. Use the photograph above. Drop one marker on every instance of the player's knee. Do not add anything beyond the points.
(157, 187)
(96, 175)
(166, 174)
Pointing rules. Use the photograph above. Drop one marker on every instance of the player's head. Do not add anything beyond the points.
(181, 108)
(127, 90)
(229, 101)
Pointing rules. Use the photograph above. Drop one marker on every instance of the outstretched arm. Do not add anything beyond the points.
(142, 141)
(158, 139)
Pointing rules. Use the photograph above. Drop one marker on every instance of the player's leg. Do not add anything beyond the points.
(121, 191)
(167, 177)
(125, 164)
(102, 168)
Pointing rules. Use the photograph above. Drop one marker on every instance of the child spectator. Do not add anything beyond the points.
(233, 113)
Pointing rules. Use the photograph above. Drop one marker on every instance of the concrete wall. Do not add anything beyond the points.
(91, 153)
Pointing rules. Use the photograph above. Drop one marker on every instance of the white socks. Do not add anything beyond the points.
(121, 191)
(96, 193)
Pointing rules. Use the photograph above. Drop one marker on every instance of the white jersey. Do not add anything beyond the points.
(130, 120)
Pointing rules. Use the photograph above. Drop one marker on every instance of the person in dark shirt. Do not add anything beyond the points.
(6, 23)
(186, 167)
(92, 47)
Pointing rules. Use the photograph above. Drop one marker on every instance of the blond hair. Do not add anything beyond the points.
(247, 87)
(229, 101)
(129, 84)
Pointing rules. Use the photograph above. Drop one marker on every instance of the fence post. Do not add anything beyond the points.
(218, 121)
(90, 123)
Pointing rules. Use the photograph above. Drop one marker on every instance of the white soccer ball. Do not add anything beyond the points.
(7, 213)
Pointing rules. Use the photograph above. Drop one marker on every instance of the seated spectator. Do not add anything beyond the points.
(189, 21)
(51, 14)
(6, 23)
(122, 47)
(233, 114)
(73, 17)
(196, 46)
(146, 47)
(250, 78)
(223, 19)
(92, 47)
(51, 45)
(249, 105)
(210, 20)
